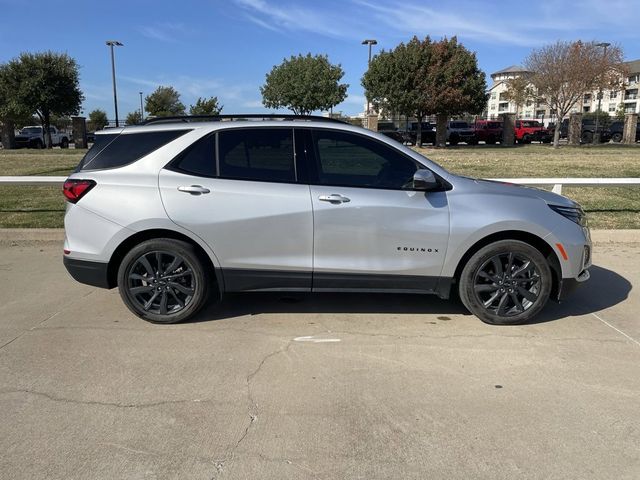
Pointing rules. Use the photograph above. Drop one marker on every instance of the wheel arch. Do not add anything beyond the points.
(141, 236)
(535, 241)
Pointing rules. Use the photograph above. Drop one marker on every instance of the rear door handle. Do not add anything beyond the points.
(334, 198)
(193, 189)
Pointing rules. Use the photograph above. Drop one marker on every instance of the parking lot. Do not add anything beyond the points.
(327, 386)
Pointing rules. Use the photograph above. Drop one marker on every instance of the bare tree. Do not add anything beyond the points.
(519, 91)
(563, 72)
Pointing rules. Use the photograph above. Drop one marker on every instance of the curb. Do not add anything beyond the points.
(44, 235)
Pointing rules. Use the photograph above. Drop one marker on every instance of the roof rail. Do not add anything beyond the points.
(230, 117)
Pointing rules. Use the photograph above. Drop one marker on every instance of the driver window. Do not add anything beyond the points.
(349, 160)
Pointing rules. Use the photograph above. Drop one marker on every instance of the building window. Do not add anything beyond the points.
(492, 106)
(613, 95)
(612, 107)
(629, 108)
(631, 94)
(586, 109)
(587, 98)
(503, 107)
(493, 95)
(634, 78)
(503, 96)
(539, 113)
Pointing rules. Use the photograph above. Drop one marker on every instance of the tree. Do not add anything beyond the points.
(97, 120)
(604, 119)
(164, 102)
(46, 83)
(12, 114)
(427, 77)
(519, 91)
(304, 84)
(563, 72)
(133, 118)
(205, 106)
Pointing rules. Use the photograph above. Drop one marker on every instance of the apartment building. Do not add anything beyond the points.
(611, 101)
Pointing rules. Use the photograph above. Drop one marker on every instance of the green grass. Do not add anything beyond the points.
(615, 207)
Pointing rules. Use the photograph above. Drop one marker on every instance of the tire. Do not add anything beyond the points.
(526, 139)
(491, 140)
(453, 139)
(616, 137)
(498, 299)
(586, 137)
(169, 297)
(38, 144)
(64, 143)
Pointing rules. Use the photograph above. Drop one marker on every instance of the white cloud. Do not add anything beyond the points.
(164, 32)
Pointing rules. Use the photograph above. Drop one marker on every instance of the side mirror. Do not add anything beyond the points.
(425, 180)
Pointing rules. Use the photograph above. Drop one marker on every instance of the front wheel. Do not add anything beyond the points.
(616, 137)
(163, 281)
(64, 143)
(506, 283)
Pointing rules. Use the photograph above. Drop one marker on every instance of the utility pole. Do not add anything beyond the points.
(111, 44)
(369, 42)
(596, 134)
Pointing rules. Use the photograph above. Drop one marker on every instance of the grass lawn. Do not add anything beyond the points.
(617, 207)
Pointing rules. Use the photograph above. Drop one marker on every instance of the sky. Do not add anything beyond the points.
(225, 48)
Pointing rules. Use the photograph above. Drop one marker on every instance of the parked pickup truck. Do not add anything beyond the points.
(587, 131)
(33, 137)
(616, 129)
(528, 131)
(458, 131)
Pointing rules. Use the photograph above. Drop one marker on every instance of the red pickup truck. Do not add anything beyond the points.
(527, 131)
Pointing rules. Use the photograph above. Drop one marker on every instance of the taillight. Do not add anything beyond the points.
(74, 190)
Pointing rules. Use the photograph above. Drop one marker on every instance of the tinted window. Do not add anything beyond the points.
(264, 154)
(459, 125)
(198, 159)
(356, 161)
(115, 150)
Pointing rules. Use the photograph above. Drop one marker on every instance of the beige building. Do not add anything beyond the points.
(612, 101)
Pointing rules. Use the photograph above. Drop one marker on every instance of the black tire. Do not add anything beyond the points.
(482, 283)
(616, 137)
(454, 139)
(586, 137)
(174, 292)
(39, 144)
(491, 140)
(526, 139)
(64, 143)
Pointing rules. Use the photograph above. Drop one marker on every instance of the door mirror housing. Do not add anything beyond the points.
(425, 180)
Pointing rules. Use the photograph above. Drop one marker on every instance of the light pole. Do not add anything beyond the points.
(596, 135)
(369, 42)
(141, 108)
(111, 44)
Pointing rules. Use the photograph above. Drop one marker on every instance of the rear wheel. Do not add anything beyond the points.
(164, 281)
(491, 140)
(586, 137)
(454, 139)
(64, 143)
(616, 137)
(506, 283)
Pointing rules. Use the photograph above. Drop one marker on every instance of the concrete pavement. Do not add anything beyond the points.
(324, 386)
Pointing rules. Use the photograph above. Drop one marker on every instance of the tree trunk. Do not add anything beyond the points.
(419, 130)
(47, 130)
(441, 130)
(556, 135)
(8, 134)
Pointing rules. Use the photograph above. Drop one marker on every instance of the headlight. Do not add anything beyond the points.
(575, 214)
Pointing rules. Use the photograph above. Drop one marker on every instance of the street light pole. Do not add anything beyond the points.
(141, 108)
(111, 44)
(369, 42)
(596, 135)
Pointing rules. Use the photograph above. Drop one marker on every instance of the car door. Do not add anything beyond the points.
(238, 190)
(372, 230)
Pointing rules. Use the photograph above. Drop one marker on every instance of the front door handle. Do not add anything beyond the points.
(334, 198)
(193, 189)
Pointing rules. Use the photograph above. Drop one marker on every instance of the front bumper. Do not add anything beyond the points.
(568, 285)
(90, 273)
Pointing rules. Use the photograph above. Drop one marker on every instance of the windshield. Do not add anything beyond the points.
(31, 130)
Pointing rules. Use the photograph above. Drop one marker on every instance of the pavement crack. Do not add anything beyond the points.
(55, 398)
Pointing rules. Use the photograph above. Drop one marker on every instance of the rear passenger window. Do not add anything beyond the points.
(116, 150)
(263, 154)
(199, 159)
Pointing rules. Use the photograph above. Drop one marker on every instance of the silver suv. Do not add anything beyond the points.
(179, 211)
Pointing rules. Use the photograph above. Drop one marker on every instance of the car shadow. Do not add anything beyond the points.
(605, 289)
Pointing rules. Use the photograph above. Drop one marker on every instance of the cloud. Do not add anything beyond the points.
(164, 32)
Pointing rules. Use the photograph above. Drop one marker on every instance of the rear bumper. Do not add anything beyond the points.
(91, 273)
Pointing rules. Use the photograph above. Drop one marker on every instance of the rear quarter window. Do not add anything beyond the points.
(114, 150)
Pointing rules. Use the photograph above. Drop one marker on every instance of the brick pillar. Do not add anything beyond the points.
(575, 128)
(508, 129)
(372, 122)
(8, 134)
(79, 127)
(630, 125)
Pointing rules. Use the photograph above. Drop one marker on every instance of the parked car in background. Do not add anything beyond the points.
(527, 131)
(169, 213)
(390, 130)
(458, 131)
(616, 130)
(587, 131)
(488, 131)
(33, 137)
(428, 133)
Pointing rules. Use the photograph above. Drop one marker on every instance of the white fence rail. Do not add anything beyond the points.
(556, 182)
